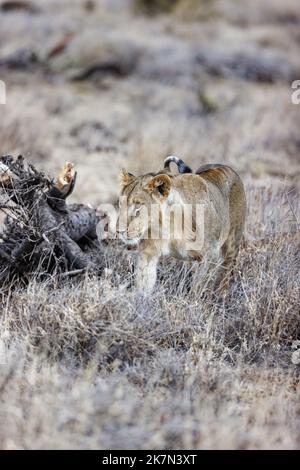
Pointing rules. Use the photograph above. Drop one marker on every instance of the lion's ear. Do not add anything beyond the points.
(126, 177)
(160, 186)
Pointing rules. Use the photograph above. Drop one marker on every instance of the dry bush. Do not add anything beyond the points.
(184, 9)
(90, 363)
(173, 403)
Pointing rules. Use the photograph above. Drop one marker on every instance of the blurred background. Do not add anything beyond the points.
(112, 83)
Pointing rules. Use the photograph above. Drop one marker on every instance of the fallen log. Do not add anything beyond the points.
(41, 232)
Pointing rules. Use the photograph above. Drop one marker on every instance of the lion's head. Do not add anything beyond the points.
(141, 199)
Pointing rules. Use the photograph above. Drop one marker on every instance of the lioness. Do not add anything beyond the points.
(213, 240)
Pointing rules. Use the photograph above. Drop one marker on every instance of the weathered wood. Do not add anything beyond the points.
(45, 222)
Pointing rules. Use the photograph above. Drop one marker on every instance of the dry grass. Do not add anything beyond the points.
(90, 364)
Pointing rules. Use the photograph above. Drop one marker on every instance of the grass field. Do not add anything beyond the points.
(90, 363)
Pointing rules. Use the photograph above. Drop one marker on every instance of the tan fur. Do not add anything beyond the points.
(216, 188)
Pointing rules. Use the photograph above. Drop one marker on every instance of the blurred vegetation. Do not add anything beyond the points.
(208, 104)
(200, 10)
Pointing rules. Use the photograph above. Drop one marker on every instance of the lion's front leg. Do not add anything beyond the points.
(146, 273)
